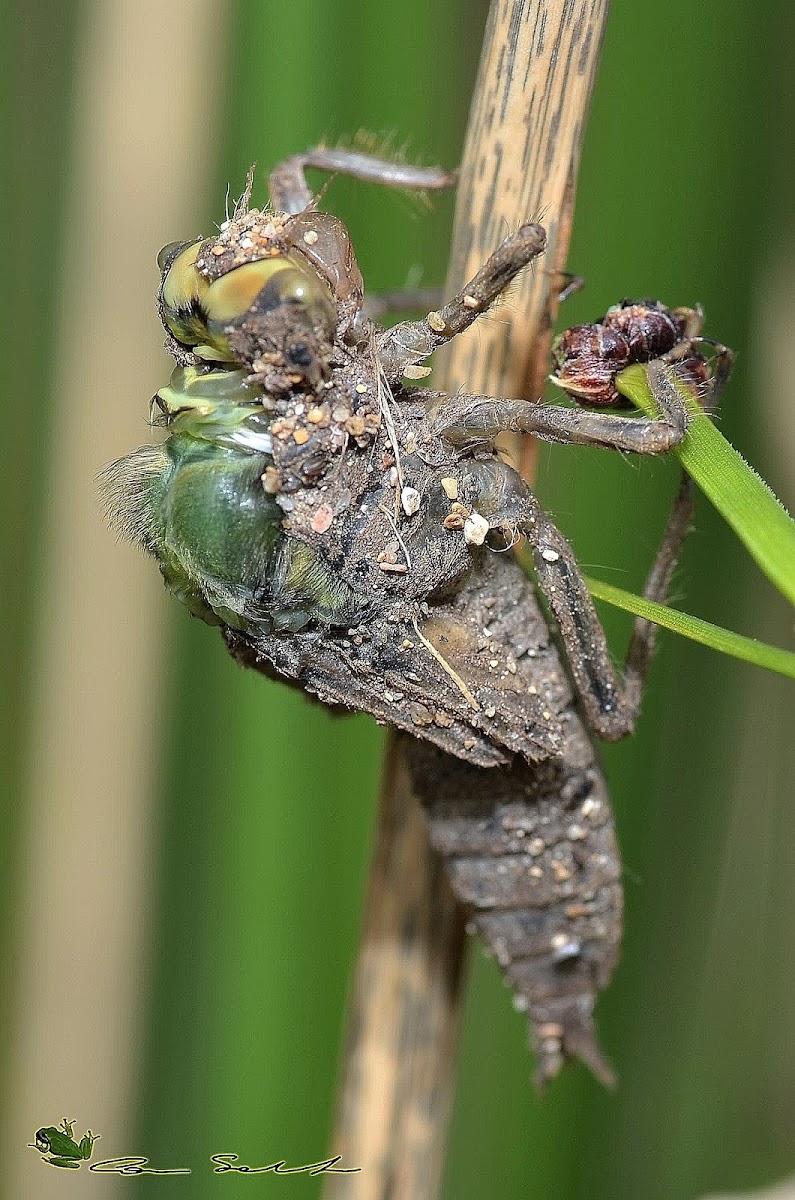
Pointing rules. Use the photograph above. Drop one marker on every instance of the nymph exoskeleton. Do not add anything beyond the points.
(342, 527)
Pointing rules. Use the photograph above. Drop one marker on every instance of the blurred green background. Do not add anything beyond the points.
(185, 845)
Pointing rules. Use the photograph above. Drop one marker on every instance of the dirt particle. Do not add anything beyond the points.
(475, 529)
(321, 521)
(410, 499)
(355, 426)
(271, 481)
(420, 715)
(454, 521)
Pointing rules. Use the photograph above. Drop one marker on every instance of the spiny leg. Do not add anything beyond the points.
(290, 192)
(721, 368)
(571, 284)
(466, 420)
(412, 341)
(610, 701)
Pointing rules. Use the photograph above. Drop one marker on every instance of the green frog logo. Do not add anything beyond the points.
(59, 1148)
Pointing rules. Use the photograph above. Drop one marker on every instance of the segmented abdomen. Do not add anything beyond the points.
(531, 852)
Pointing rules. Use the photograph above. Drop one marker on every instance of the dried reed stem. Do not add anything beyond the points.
(522, 152)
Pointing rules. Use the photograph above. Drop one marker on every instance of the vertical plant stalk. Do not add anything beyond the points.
(521, 158)
(90, 792)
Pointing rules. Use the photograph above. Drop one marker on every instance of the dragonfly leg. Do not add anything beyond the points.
(290, 191)
(610, 698)
(467, 420)
(411, 342)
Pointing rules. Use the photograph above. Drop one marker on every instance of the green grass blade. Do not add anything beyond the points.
(742, 498)
(748, 649)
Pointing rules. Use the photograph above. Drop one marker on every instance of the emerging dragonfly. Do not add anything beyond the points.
(342, 528)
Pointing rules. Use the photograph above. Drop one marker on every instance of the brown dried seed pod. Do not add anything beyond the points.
(590, 380)
(649, 327)
(590, 341)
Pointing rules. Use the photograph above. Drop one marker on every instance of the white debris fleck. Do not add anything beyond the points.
(549, 555)
(410, 499)
(450, 487)
(310, 237)
(475, 529)
(565, 947)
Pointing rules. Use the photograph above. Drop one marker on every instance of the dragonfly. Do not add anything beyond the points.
(346, 528)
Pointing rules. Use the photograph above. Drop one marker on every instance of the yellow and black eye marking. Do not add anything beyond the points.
(199, 313)
(183, 294)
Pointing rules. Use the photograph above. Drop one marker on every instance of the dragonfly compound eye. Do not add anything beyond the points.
(203, 314)
(182, 295)
(257, 291)
(166, 256)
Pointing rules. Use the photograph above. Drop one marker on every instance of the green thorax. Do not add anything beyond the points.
(198, 504)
